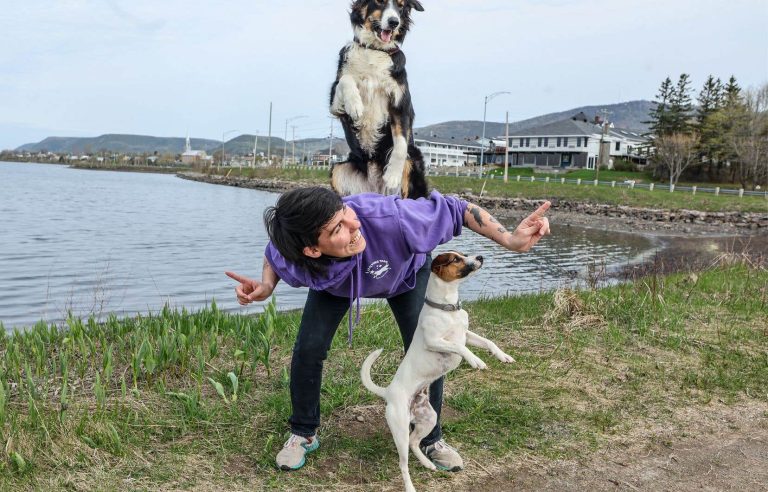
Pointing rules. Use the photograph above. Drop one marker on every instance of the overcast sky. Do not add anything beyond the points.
(165, 67)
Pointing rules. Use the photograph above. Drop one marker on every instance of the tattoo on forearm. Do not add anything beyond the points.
(477, 214)
(501, 230)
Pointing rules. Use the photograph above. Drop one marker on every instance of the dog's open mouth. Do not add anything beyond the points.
(385, 35)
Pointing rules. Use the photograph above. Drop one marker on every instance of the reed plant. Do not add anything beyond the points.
(180, 400)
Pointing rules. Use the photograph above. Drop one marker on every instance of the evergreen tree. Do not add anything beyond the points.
(711, 141)
(732, 93)
(726, 121)
(659, 123)
(710, 98)
(681, 107)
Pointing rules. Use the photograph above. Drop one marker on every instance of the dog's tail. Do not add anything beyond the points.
(365, 374)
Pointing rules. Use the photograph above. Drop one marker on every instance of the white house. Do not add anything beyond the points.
(573, 142)
(447, 151)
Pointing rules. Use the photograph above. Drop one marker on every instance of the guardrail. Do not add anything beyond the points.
(629, 184)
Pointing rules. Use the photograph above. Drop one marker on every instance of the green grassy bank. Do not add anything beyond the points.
(585, 192)
(198, 401)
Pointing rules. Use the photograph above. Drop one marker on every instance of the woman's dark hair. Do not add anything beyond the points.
(295, 222)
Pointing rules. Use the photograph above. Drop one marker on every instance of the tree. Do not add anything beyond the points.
(732, 92)
(659, 123)
(711, 142)
(748, 137)
(680, 106)
(676, 153)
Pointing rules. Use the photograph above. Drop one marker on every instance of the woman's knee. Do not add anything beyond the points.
(310, 350)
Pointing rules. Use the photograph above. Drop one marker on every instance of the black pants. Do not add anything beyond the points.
(322, 314)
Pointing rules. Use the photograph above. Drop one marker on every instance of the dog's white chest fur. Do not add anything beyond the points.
(371, 71)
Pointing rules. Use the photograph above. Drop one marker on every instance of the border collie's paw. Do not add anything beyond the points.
(393, 180)
(354, 108)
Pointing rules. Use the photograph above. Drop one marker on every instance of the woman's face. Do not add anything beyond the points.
(340, 237)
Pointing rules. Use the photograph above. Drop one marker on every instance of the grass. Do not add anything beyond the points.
(585, 192)
(182, 400)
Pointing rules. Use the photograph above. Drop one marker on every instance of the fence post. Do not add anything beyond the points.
(562, 181)
(533, 178)
(547, 180)
(613, 184)
(717, 190)
(632, 185)
(595, 182)
(651, 187)
(518, 177)
(694, 191)
(671, 188)
(741, 192)
(578, 182)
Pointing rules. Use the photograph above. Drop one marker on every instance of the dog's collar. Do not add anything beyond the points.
(390, 51)
(444, 307)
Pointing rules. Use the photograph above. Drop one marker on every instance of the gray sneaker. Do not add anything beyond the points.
(292, 456)
(443, 456)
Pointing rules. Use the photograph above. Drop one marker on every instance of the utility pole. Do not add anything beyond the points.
(485, 111)
(506, 150)
(223, 137)
(603, 134)
(269, 141)
(293, 144)
(285, 140)
(330, 145)
(255, 148)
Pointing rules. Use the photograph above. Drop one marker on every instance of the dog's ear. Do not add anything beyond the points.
(441, 261)
(416, 5)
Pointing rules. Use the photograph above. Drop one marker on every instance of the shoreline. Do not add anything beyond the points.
(624, 219)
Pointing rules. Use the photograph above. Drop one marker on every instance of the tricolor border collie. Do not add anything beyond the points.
(371, 98)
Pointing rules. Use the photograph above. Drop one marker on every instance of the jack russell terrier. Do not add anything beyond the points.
(439, 345)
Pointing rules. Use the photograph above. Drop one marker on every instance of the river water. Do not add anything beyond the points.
(94, 243)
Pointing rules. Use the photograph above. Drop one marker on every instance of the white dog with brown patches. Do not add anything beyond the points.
(439, 345)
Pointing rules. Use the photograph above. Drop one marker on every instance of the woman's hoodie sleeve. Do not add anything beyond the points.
(428, 222)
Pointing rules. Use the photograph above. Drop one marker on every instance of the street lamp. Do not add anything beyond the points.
(255, 148)
(223, 137)
(482, 141)
(285, 140)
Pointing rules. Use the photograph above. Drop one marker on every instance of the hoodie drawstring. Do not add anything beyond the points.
(356, 280)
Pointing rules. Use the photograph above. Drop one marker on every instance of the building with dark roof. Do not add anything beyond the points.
(573, 142)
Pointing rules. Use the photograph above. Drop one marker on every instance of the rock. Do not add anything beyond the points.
(360, 418)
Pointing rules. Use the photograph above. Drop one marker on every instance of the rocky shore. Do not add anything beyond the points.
(608, 217)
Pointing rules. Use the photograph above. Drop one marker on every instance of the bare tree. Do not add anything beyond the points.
(676, 153)
(748, 138)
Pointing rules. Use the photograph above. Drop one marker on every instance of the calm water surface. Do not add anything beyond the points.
(94, 243)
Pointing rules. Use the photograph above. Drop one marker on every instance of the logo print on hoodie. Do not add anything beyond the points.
(378, 269)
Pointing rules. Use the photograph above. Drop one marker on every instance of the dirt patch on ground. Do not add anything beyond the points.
(724, 448)
(710, 447)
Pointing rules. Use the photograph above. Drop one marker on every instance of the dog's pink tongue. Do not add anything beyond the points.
(386, 36)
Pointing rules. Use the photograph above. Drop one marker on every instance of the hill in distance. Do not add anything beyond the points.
(628, 115)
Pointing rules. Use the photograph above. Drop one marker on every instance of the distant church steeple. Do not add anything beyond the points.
(188, 147)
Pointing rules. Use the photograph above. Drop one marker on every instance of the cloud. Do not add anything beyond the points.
(160, 67)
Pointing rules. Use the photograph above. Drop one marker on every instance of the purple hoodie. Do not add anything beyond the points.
(398, 235)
